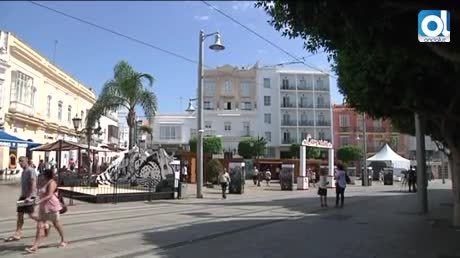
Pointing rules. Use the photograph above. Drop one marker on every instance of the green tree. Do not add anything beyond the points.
(349, 153)
(213, 168)
(125, 90)
(252, 147)
(383, 77)
(147, 130)
(245, 148)
(211, 145)
(312, 153)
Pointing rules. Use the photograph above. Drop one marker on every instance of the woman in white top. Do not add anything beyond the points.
(224, 180)
(340, 185)
(322, 188)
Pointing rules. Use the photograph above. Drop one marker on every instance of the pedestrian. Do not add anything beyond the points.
(255, 175)
(41, 166)
(224, 180)
(322, 188)
(26, 199)
(340, 185)
(412, 179)
(268, 176)
(260, 177)
(48, 210)
(313, 178)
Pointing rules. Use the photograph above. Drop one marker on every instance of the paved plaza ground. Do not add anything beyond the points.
(377, 221)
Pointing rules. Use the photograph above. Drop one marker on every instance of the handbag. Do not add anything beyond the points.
(347, 178)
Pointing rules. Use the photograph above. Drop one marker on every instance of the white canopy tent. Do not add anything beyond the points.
(390, 157)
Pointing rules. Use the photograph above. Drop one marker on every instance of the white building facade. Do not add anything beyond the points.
(293, 104)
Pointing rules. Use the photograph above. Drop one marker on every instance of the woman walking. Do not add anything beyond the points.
(224, 180)
(322, 188)
(48, 210)
(340, 185)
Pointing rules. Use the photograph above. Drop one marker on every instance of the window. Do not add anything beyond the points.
(246, 127)
(169, 132)
(344, 140)
(246, 105)
(48, 107)
(303, 83)
(320, 101)
(285, 83)
(378, 123)
(286, 101)
(82, 116)
(192, 132)
(268, 118)
(209, 88)
(286, 119)
(227, 126)
(208, 125)
(267, 83)
(304, 118)
(69, 114)
(321, 118)
(22, 89)
(320, 84)
(268, 136)
(344, 120)
(60, 110)
(304, 135)
(303, 101)
(359, 122)
(267, 101)
(228, 105)
(286, 137)
(245, 88)
(321, 135)
(207, 105)
(228, 87)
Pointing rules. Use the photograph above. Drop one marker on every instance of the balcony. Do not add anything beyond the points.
(322, 88)
(323, 123)
(376, 129)
(304, 87)
(19, 107)
(289, 123)
(246, 133)
(305, 105)
(324, 105)
(287, 105)
(289, 141)
(209, 108)
(287, 87)
(306, 123)
(344, 129)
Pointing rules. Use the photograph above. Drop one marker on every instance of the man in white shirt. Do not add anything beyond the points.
(340, 185)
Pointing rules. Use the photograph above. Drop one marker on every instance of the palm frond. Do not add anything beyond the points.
(148, 101)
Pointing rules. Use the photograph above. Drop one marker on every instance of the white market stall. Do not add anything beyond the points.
(391, 159)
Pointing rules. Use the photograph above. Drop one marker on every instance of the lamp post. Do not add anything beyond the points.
(217, 46)
(88, 132)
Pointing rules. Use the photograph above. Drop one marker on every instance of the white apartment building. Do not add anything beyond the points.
(173, 131)
(293, 104)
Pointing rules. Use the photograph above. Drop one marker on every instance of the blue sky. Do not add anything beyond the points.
(89, 54)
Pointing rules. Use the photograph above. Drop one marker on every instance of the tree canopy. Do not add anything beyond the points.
(252, 147)
(211, 145)
(312, 153)
(349, 153)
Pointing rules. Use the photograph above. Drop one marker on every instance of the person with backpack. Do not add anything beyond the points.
(341, 178)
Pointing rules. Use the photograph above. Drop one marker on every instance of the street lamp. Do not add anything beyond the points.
(217, 46)
(76, 125)
(191, 109)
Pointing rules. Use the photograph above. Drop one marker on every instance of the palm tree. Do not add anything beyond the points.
(147, 130)
(127, 90)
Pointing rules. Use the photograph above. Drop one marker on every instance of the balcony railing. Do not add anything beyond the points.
(324, 105)
(289, 122)
(305, 105)
(323, 123)
(287, 87)
(287, 105)
(376, 129)
(306, 123)
(304, 87)
(344, 128)
(322, 88)
(289, 141)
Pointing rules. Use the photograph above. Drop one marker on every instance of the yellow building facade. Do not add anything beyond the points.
(37, 100)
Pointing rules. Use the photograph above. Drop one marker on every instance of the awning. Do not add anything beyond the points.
(65, 146)
(9, 140)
